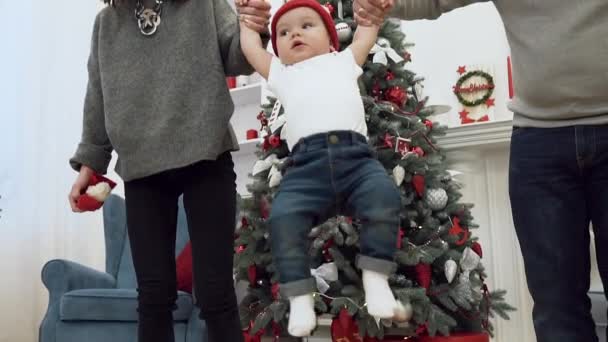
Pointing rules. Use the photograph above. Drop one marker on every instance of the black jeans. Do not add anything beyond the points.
(558, 183)
(209, 194)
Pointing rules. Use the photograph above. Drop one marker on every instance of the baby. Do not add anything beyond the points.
(333, 170)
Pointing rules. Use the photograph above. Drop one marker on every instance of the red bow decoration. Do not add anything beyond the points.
(88, 203)
(457, 230)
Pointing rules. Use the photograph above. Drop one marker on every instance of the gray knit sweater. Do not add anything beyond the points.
(161, 101)
(560, 56)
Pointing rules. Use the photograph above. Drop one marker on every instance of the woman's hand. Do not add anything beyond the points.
(80, 186)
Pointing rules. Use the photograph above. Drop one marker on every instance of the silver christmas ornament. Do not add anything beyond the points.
(436, 199)
(450, 268)
(344, 32)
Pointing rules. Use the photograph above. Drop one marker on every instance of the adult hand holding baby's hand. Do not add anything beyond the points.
(371, 12)
(254, 13)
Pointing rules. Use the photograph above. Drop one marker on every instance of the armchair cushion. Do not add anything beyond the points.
(112, 305)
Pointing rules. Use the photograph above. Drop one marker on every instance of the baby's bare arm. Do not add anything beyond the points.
(363, 41)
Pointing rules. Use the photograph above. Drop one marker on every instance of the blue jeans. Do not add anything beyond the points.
(558, 183)
(333, 173)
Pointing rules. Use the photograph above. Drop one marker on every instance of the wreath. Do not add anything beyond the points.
(489, 88)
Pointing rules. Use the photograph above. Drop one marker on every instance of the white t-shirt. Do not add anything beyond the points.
(319, 95)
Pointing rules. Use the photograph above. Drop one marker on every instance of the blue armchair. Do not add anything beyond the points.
(93, 306)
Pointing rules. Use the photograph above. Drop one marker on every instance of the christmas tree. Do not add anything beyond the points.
(440, 279)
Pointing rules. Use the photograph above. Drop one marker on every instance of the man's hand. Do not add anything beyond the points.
(371, 12)
(254, 13)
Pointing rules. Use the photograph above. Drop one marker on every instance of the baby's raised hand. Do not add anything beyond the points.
(255, 14)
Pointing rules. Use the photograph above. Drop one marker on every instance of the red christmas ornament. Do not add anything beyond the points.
(419, 151)
(476, 247)
(428, 124)
(376, 91)
(462, 70)
(244, 222)
(264, 210)
(490, 102)
(456, 337)
(330, 8)
(418, 183)
(274, 141)
(400, 238)
(423, 275)
(240, 249)
(266, 144)
(389, 76)
(344, 328)
(326, 253)
(276, 331)
(275, 291)
(257, 337)
(88, 203)
(252, 274)
(396, 95)
(457, 230)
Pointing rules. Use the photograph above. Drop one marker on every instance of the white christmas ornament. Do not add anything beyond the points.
(99, 191)
(344, 32)
(436, 199)
(382, 49)
(403, 313)
(263, 164)
(419, 90)
(450, 268)
(274, 176)
(398, 174)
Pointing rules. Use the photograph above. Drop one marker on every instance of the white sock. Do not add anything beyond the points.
(302, 317)
(378, 295)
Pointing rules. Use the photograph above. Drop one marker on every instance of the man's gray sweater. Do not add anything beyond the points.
(161, 101)
(560, 56)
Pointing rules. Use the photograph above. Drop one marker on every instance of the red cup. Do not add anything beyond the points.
(231, 82)
(252, 134)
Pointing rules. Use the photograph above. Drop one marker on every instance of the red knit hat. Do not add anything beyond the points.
(313, 4)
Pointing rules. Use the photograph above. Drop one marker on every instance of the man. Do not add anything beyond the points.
(558, 171)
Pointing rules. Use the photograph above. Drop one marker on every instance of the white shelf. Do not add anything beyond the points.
(247, 95)
(477, 135)
(248, 146)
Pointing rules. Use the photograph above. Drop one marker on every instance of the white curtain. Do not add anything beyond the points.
(44, 47)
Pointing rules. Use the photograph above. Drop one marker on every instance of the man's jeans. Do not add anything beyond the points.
(558, 183)
(332, 173)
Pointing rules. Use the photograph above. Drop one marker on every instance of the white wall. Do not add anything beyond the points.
(44, 51)
(473, 35)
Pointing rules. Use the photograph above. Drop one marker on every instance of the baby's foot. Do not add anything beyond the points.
(378, 295)
(302, 318)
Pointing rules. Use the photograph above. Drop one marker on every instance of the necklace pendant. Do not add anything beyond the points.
(148, 21)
